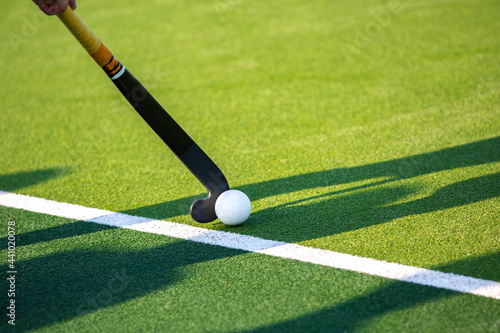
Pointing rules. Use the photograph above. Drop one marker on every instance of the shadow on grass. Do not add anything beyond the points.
(68, 230)
(335, 212)
(19, 180)
(360, 210)
(355, 313)
(67, 285)
(351, 209)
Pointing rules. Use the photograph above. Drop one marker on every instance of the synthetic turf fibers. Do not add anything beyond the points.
(79, 276)
(364, 127)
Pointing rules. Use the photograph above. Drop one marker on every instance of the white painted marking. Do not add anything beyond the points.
(338, 260)
(49, 207)
(120, 73)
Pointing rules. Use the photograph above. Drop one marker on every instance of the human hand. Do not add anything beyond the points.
(53, 7)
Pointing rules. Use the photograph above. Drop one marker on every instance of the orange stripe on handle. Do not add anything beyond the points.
(86, 37)
(112, 67)
(102, 56)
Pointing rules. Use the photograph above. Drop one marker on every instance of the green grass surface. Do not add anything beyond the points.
(78, 276)
(364, 127)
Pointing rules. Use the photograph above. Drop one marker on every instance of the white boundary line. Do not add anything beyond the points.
(349, 262)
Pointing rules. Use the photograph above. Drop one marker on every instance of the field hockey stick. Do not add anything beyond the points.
(200, 165)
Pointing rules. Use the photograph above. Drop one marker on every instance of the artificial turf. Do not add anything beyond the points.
(79, 276)
(364, 127)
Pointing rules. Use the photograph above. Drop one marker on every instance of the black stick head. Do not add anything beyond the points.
(203, 210)
(203, 168)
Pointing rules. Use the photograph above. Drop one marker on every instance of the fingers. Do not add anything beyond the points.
(56, 7)
(52, 9)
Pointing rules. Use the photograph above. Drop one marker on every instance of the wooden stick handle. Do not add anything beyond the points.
(80, 30)
(90, 42)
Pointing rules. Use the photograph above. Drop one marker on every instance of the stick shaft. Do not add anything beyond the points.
(200, 165)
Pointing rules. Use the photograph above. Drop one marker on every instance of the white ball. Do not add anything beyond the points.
(233, 207)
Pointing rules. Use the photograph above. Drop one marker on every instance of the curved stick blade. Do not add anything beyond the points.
(203, 210)
(209, 174)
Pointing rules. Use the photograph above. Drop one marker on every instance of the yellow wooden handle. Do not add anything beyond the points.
(91, 42)
(80, 30)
